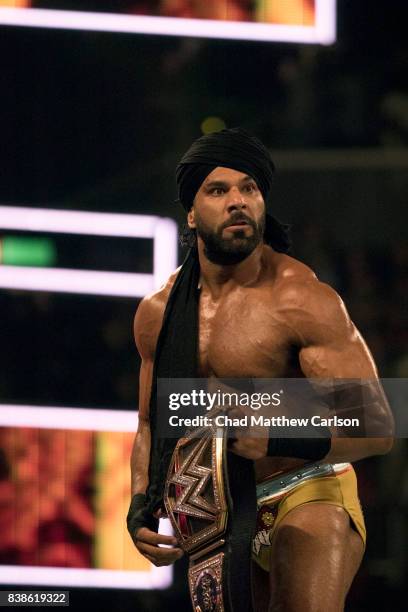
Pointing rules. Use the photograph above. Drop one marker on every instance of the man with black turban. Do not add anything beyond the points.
(241, 307)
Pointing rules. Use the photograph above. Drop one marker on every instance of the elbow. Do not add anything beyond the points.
(387, 433)
(384, 445)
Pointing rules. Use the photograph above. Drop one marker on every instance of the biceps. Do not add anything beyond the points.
(363, 398)
(344, 359)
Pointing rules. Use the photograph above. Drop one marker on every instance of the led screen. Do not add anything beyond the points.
(65, 490)
(305, 21)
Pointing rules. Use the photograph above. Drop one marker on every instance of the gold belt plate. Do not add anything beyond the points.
(194, 494)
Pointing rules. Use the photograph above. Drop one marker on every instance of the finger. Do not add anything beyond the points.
(156, 550)
(154, 561)
(250, 449)
(151, 537)
(163, 556)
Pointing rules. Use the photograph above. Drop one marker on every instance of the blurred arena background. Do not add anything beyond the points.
(96, 121)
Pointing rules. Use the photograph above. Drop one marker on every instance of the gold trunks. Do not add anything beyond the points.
(324, 483)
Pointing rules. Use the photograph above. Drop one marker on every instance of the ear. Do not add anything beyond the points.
(191, 219)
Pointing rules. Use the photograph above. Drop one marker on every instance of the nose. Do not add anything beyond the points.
(236, 200)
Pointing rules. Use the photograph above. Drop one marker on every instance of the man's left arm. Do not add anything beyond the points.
(332, 348)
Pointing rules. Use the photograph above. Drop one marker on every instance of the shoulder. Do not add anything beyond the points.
(307, 304)
(149, 317)
(287, 269)
(296, 285)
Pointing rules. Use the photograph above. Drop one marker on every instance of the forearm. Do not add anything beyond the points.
(140, 515)
(327, 449)
(139, 462)
(353, 449)
(367, 402)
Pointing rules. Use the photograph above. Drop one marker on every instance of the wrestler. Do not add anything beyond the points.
(263, 314)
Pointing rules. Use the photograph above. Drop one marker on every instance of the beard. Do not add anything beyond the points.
(234, 249)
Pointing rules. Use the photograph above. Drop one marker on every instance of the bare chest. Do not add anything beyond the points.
(240, 336)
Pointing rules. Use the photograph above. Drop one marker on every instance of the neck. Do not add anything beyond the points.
(219, 278)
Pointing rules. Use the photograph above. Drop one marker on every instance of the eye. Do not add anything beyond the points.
(250, 187)
(217, 191)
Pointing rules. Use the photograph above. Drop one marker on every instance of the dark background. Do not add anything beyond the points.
(98, 121)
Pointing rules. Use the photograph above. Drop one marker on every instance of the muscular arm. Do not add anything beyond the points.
(147, 324)
(146, 329)
(139, 462)
(331, 347)
(145, 332)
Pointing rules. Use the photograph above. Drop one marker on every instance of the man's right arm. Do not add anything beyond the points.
(147, 325)
(146, 329)
(139, 463)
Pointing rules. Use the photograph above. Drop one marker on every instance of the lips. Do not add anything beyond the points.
(237, 225)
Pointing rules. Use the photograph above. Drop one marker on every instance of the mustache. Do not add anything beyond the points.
(237, 218)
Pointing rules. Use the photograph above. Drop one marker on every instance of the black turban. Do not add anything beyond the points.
(234, 148)
(237, 149)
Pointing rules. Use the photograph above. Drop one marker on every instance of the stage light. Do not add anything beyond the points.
(212, 124)
(323, 30)
(16, 251)
(62, 417)
(163, 231)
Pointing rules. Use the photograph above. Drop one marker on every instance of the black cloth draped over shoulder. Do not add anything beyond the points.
(176, 357)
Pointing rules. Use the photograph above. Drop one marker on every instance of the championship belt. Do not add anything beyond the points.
(210, 498)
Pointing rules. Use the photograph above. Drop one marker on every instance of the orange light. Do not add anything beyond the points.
(16, 3)
(287, 12)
